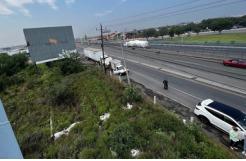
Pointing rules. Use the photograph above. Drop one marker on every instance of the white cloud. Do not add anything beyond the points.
(4, 10)
(104, 13)
(7, 7)
(19, 4)
(69, 1)
(51, 3)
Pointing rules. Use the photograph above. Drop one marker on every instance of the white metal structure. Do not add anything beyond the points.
(220, 115)
(117, 67)
(137, 43)
(97, 55)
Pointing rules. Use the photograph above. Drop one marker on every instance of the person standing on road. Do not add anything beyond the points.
(233, 138)
(165, 84)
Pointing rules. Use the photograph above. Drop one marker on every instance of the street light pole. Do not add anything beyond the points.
(102, 45)
(124, 59)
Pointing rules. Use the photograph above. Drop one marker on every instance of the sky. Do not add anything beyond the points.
(85, 16)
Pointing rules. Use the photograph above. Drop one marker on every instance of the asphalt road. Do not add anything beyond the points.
(204, 63)
(223, 51)
(184, 91)
(181, 89)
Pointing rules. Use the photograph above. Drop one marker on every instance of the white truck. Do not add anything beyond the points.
(137, 43)
(97, 55)
(117, 67)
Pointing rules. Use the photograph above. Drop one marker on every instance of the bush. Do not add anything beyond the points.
(6, 81)
(69, 66)
(88, 153)
(131, 95)
(122, 140)
(62, 94)
(11, 65)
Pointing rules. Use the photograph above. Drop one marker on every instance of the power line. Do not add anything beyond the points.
(152, 11)
(168, 13)
(190, 10)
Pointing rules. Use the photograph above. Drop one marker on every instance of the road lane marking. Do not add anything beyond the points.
(182, 74)
(202, 46)
(193, 77)
(216, 84)
(166, 95)
(187, 93)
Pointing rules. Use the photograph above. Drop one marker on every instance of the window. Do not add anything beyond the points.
(216, 114)
(229, 121)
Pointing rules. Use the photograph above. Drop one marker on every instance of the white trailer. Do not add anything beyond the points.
(117, 67)
(137, 43)
(97, 55)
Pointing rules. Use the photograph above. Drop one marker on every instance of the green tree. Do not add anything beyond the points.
(221, 24)
(171, 32)
(178, 30)
(150, 33)
(163, 31)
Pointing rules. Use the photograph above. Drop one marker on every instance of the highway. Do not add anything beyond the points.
(188, 84)
(217, 51)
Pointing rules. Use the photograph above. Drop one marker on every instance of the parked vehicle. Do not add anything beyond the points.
(137, 43)
(235, 63)
(97, 55)
(117, 67)
(220, 115)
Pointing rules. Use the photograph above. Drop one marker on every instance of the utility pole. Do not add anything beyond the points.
(122, 52)
(102, 45)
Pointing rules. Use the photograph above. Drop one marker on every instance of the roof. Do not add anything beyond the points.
(9, 148)
(228, 110)
(207, 102)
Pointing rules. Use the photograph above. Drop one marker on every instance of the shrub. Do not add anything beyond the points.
(62, 94)
(11, 65)
(88, 153)
(122, 140)
(69, 66)
(131, 95)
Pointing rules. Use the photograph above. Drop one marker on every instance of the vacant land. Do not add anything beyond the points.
(68, 91)
(232, 39)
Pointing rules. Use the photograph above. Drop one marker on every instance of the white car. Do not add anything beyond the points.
(220, 115)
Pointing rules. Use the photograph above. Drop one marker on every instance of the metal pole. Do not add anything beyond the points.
(122, 52)
(51, 124)
(102, 45)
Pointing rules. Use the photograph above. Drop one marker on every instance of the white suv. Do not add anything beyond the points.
(220, 115)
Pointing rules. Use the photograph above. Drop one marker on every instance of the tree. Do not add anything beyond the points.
(196, 28)
(150, 33)
(192, 27)
(163, 31)
(171, 32)
(178, 30)
(242, 21)
(221, 24)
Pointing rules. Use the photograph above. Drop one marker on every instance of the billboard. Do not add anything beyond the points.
(49, 43)
(9, 148)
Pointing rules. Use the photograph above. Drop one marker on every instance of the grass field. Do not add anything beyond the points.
(83, 96)
(235, 38)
